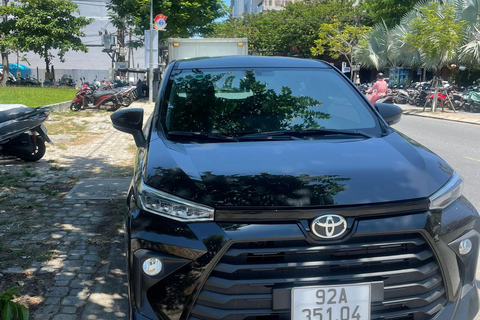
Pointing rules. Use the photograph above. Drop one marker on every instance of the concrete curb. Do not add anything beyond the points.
(450, 116)
(61, 107)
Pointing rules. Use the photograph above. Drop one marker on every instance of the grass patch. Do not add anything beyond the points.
(27, 204)
(50, 191)
(8, 180)
(64, 126)
(36, 97)
(28, 173)
(57, 168)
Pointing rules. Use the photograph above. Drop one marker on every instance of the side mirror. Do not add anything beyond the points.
(389, 112)
(130, 121)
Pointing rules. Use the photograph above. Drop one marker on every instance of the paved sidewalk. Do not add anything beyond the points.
(78, 228)
(450, 115)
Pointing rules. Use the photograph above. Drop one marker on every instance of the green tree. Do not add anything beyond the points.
(291, 31)
(469, 11)
(339, 39)
(7, 42)
(185, 18)
(388, 11)
(43, 26)
(437, 33)
(376, 49)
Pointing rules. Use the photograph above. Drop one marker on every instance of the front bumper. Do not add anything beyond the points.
(221, 270)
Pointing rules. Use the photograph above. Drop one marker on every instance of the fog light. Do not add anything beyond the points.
(152, 266)
(465, 246)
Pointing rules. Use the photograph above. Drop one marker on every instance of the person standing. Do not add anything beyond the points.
(378, 90)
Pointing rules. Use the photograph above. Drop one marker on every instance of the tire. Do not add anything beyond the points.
(37, 154)
(76, 106)
(114, 106)
(127, 101)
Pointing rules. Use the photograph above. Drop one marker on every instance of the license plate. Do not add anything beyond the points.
(44, 129)
(342, 302)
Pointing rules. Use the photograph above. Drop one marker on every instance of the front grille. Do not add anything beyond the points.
(244, 283)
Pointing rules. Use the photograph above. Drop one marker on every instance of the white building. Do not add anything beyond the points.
(239, 7)
(94, 63)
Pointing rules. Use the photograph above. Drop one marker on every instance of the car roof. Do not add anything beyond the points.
(249, 61)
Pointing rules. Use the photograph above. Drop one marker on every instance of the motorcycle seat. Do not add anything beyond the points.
(10, 114)
(101, 93)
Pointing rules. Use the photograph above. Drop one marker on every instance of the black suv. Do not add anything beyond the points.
(270, 188)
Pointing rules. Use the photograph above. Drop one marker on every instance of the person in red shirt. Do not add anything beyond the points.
(378, 90)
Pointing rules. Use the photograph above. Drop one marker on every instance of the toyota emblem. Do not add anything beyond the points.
(329, 226)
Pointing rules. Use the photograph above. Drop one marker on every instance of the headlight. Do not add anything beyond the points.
(170, 206)
(447, 194)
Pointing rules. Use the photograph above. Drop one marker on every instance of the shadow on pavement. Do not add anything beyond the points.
(69, 232)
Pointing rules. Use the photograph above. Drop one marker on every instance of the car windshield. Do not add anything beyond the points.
(238, 102)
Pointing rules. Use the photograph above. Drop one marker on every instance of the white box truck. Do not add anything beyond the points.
(180, 48)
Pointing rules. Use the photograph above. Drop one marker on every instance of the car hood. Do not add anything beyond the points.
(296, 173)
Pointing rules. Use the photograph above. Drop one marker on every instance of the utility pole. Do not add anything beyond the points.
(129, 53)
(150, 59)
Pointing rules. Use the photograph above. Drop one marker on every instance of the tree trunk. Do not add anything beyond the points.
(47, 65)
(435, 81)
(435, 94)
(5, 67)
(47, 61)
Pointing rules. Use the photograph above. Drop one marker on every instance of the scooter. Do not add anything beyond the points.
(472, 103)
(90, 98)
(22, 133)
(401, 96)
(126, 95)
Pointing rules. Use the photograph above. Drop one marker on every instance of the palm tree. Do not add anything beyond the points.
(469, 11)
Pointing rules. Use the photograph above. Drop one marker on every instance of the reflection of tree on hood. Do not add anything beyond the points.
(275, 190)
(264, 189)
(264, 110)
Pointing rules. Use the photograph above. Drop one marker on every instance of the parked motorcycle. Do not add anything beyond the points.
(90, 98)
(401, 96)
(472, 103)
(126, 95)
(422, 97)
(22, 133)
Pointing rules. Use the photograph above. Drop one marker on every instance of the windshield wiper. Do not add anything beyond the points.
(304, 132)
(201, 135)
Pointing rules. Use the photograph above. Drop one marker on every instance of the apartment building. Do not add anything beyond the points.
(239, 7)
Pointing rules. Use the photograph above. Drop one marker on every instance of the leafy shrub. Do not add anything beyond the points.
(9, 309)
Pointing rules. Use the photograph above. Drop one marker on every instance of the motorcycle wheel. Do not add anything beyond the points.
(114, 106)
(37, 154)
(127, 101)
(76, 106)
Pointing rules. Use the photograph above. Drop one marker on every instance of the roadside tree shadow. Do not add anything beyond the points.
(74, 243)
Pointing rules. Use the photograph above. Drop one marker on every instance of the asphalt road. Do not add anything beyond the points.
(457, 143)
